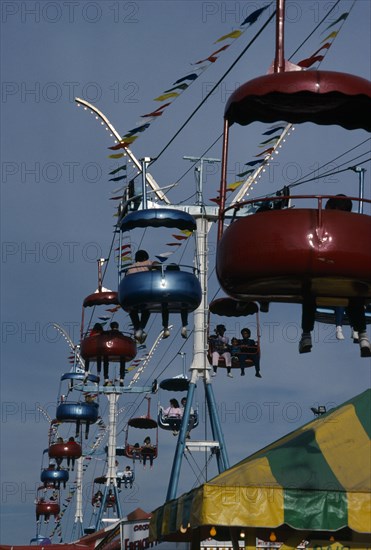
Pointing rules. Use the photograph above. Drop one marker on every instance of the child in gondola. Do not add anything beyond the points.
(235, 350)
(148, 451)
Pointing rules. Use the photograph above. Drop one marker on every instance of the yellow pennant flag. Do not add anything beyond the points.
(116, 156)
(166, 96)
(233, 34)
(235, 185)
(186, 232)
(331, 35)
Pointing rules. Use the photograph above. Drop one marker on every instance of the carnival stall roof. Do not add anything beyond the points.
(308, 485)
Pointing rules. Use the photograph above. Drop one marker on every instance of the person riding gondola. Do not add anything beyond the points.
(219, 348)
(128, 477)
(148, 452)
(114, 326)
(97, 330)
(249, 352)
(142, 263)
(173, 415)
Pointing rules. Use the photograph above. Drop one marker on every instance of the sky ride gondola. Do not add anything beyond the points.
(149, 290)
(77, 412)
(135, 450)
(178, 383)
(47, 506)
(107, 346)
(54, 477)
(307, 251)
(70, 450)
(159, 289)
(97, 498)
(166, 423)
(248, 356)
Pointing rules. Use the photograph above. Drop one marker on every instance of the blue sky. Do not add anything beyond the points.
(57, 218)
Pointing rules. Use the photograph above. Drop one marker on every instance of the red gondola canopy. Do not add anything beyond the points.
(322, 97)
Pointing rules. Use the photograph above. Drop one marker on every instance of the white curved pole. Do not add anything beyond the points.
(150, 179)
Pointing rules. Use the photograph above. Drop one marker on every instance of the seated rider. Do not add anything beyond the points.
(219, 348)
(128, 477)
(173, 415)
(148, 451)
(249, 352)
(235, 350)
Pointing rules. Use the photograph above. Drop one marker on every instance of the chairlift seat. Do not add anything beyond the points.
(166, 423)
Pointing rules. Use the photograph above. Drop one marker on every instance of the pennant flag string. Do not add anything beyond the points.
(183, 83)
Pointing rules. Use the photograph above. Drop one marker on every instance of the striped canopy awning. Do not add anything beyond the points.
(315, 480)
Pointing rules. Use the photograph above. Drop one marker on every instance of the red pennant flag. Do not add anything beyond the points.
(180, 237)
(157, 112)
(212, 58)
(173, 244)
(306, 63)
(117, 147)
(266, 152)
(217, 200)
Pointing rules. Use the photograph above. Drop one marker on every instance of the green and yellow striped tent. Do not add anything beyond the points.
(312, 482)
